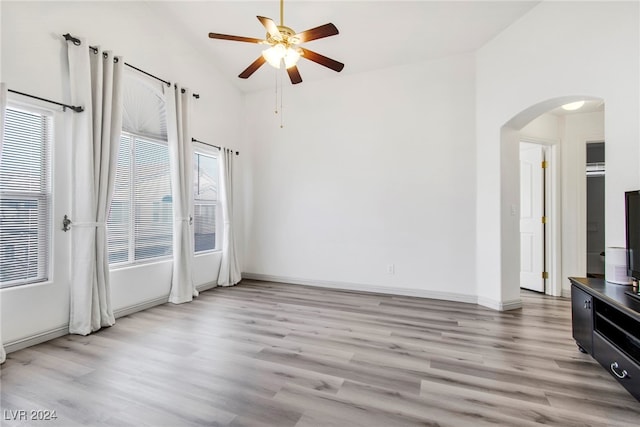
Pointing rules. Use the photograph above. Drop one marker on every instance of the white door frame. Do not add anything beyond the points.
(553, 228)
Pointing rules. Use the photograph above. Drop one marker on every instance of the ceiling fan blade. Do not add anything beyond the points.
(320, 32)
(294, 75)
(271, 27)
(234, 38)
(322, 60)
(252, 68)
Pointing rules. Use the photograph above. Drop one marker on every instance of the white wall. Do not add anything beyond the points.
(34, 61)
(559, 49)
(369, 170)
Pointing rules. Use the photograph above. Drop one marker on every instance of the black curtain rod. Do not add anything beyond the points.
(64, 106)
(211, 145)
(145, 73)
(76, 41)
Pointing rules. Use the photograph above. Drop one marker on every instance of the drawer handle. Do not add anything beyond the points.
(624, 374)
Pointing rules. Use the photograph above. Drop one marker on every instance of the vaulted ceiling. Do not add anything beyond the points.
(373, 34)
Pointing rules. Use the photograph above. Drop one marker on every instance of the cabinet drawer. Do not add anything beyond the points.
(617, 364)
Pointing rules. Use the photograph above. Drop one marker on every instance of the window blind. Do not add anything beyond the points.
(140, 224)
(153, 201)
(25, 198)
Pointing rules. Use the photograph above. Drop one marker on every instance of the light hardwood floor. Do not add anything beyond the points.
(269, 354)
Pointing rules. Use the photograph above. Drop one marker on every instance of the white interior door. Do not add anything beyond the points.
(531, 214)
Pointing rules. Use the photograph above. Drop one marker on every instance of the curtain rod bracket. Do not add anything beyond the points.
(195, 95)
(69, 37)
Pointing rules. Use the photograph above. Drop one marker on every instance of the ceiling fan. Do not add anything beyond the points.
(283, 42)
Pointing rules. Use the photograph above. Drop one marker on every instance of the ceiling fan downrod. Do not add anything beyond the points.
(282, 13)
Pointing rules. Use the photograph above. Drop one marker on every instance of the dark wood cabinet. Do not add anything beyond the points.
(582, 319)
(606, 324)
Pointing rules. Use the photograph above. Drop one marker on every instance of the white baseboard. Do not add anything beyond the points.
(156, 301)
(499, 305)
(16, 345)
(206, 286)
(139, 307)
(421, 293)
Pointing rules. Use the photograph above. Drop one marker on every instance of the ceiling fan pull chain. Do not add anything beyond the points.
(281, 96)
(276, 98)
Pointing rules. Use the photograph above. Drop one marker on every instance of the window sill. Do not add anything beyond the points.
(15, 286)
(205, 253)
(136, 264)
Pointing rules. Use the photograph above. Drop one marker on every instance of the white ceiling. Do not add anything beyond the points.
(373, 34)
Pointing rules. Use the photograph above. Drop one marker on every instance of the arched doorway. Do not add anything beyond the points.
(565, 210)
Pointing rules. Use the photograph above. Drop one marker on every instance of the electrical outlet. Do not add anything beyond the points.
(391, 269)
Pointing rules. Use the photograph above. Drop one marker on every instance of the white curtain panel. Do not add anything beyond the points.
(3, 108)
(229, 267)
(96, 84)
(181, 162)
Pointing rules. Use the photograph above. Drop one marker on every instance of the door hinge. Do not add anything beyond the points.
(545, 275)
(544, 219)
(545, 164)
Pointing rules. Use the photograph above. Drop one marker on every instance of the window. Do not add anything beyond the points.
(205, 198)
(140, 225)
(25, 198)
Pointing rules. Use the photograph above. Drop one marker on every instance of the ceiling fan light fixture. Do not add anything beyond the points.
(572, 106)
(291, 57)
(274, 55)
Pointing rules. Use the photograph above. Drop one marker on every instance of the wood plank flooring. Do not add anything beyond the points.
(270, 354)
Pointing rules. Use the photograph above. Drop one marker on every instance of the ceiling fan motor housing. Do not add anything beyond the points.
(288, 36)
